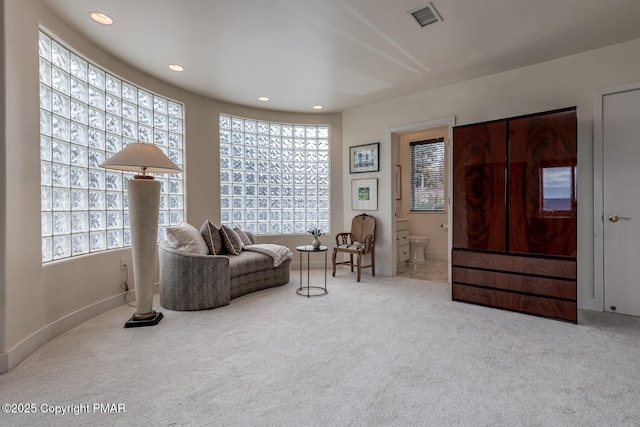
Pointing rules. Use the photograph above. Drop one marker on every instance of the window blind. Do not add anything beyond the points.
(427, 175)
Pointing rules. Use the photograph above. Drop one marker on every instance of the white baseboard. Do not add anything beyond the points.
(18, 353)
(585, 303)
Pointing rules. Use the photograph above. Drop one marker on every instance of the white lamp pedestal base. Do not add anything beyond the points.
(144, 204)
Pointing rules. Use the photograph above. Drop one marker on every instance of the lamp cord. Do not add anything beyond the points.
(125, 286)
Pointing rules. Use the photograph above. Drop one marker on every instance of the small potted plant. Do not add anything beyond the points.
(316, 233)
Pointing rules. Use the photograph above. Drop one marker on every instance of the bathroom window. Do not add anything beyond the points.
(427, 175)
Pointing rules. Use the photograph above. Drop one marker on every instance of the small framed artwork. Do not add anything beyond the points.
(364, 158)
(397, 182)
(364, 194)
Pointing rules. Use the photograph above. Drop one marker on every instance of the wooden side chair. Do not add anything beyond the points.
(360, 241)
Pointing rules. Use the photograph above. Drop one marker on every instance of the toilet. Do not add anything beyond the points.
(417, 246)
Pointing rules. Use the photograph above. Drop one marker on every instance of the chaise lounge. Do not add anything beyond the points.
(198, 281)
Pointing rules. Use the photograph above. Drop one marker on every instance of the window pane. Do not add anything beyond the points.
(558, 188)
(85, 112)
(264, 153)
(427, 175)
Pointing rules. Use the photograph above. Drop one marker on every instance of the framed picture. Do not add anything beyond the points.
(364, 158)
(397, 182)
(364, 194)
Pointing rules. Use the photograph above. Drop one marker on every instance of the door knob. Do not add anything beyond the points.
(616, 218)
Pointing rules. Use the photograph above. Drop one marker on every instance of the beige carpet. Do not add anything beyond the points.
(386, 351)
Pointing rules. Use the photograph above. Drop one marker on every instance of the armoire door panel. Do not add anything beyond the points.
(479, 207)
(542, 177)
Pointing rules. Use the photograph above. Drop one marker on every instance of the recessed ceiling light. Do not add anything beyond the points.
(263, 98)
(101, 18)
(176, 67)
(318, 107)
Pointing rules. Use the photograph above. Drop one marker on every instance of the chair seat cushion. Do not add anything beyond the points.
(351, 247)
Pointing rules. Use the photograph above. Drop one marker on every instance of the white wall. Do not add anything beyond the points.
(41, 301)
(556, 84)
(3, 183)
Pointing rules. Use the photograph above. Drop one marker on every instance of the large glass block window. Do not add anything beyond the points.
(274, 177)
(86, 116)
(427, 175)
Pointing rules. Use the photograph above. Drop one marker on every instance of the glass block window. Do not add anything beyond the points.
(427, 175)
(274, 177)
(86, 116)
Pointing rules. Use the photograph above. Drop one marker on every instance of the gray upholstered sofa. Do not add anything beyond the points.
(191, 281)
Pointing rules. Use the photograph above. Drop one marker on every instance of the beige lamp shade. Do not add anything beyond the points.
(140, 157)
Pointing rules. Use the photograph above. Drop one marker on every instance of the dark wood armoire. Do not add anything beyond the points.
(514, 214)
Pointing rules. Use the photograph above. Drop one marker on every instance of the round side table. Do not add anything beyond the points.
(312, 291)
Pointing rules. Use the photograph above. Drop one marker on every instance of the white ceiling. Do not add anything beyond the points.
(342, 54)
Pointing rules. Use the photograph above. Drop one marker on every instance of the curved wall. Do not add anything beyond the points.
(42, 301)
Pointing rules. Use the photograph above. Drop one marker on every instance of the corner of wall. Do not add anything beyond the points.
(4, 363)
(3, 300)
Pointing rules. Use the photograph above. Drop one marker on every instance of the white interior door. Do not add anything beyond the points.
(621, 193)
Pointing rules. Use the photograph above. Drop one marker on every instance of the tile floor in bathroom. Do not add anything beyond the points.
(434, 270)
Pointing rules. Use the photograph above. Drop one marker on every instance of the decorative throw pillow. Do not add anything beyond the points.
(251, 236)
(246, 241)
(211, 235)
(186, 237)
(231, 240)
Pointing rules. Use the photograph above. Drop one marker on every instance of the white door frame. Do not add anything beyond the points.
(598, 194)
(444, 121)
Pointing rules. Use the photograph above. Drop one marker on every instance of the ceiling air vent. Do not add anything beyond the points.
(425, 15)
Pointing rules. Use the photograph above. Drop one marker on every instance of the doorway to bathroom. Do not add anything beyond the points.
(423, 238)
(432, 270)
